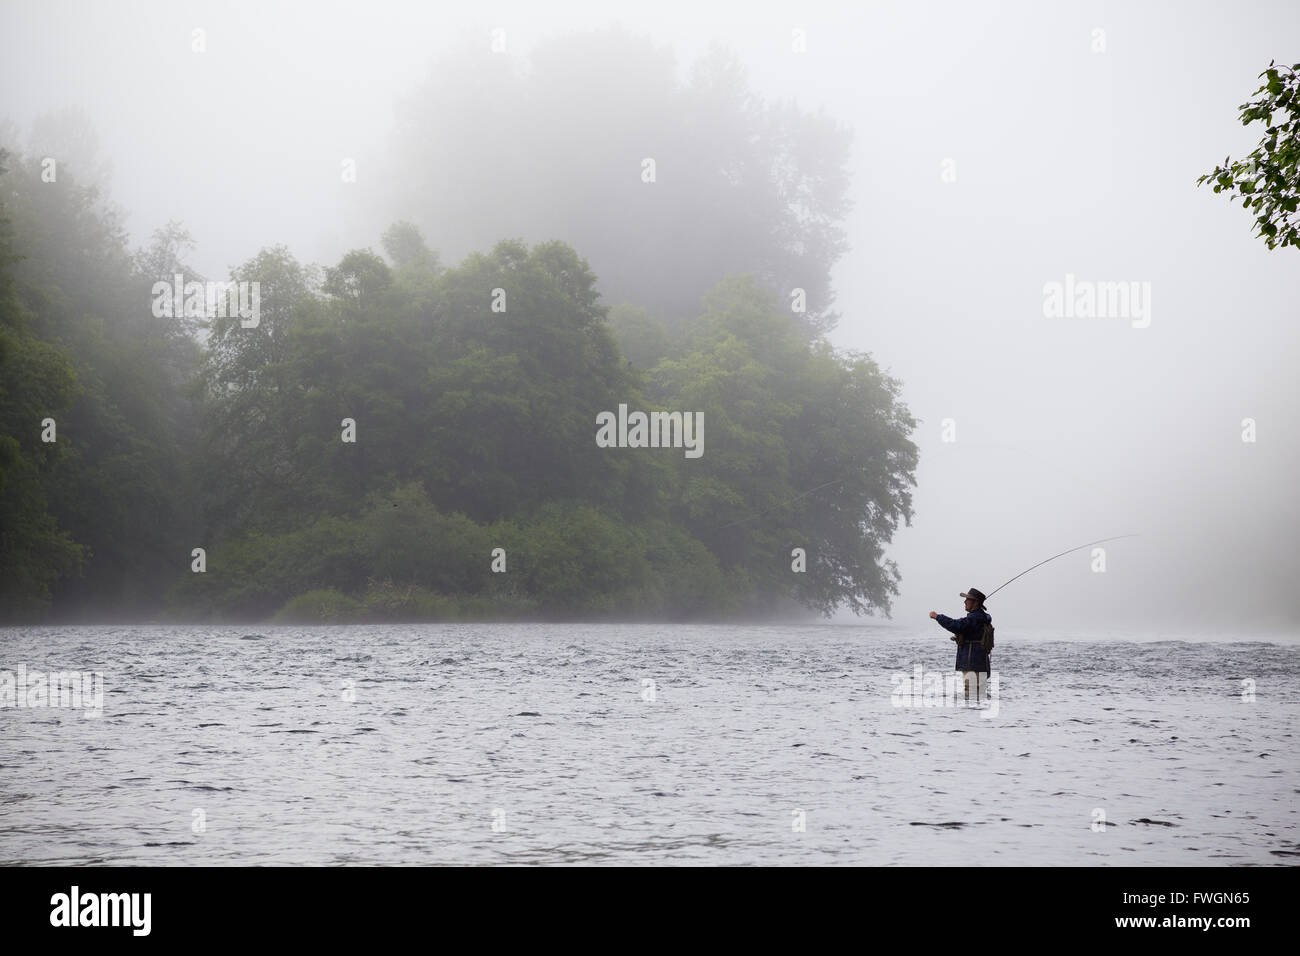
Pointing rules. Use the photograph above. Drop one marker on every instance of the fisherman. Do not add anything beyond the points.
(968, 632)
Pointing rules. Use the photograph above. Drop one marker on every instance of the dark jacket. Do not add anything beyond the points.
(969, 631)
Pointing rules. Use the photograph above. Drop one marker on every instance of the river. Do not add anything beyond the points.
(644, 744)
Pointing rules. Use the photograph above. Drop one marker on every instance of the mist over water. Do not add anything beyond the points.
(996, 148)
(547, 732)
(937, 283)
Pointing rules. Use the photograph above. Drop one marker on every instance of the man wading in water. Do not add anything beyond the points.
(968, 633)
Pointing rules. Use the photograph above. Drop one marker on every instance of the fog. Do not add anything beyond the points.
(994, 149)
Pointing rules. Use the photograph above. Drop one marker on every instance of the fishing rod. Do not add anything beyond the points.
(1055, 556)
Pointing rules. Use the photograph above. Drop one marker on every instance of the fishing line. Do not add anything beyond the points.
(1042, 461)
(1054, 557)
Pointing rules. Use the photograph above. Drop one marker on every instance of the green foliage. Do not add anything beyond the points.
(405, 246)
(474, 391)
(385, 602)
(1268, 179)
(808, 448)
(321, 606)
(37, 381)
(402, 559)
(642, 339)
(82, 346)
(250, 576)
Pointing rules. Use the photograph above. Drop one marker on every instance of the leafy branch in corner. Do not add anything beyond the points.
(1268, 179)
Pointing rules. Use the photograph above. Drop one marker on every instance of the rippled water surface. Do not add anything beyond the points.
(645, 745)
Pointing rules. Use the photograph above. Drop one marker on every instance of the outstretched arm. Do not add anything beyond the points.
(966, 626)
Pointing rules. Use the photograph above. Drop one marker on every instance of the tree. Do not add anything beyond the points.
(515, 392)
(807, 448)
(1268, 179)
(36, 382)
(246, 389)
(357, 279)
(85, 350)
(406, 248)
(558, 150)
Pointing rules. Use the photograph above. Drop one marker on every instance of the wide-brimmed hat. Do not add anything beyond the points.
(975, 594)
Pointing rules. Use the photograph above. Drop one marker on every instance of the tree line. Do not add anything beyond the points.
(475, 486)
